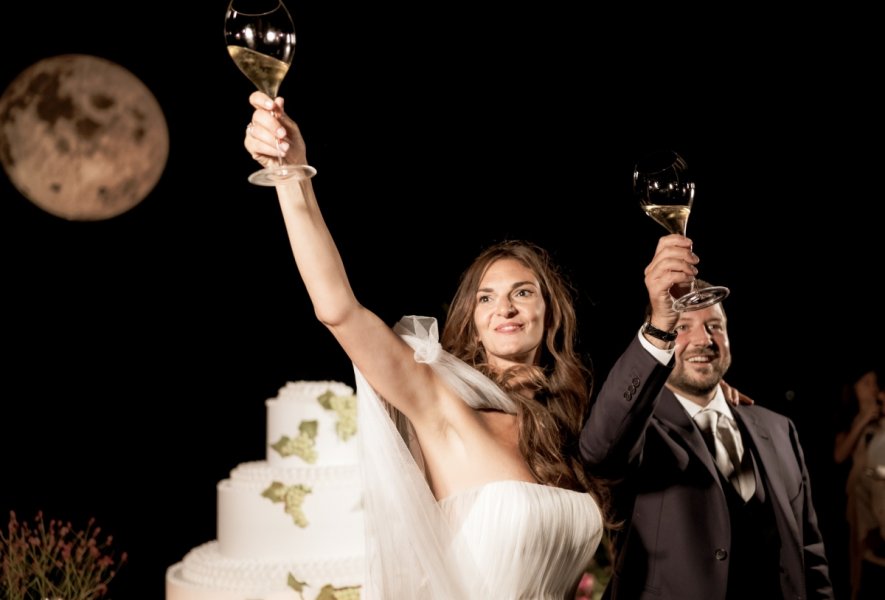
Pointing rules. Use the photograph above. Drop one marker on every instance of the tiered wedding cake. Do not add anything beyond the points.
(290, 527)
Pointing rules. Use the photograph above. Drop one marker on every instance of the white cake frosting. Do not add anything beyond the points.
(206, 573)
(326, 511)
(289, 527)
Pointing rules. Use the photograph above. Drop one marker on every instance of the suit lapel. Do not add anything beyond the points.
(674, 418)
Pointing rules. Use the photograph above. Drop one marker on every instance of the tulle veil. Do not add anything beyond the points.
(408, 540)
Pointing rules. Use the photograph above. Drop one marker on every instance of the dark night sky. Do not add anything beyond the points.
(140, 349)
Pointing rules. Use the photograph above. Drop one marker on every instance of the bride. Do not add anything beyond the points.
(473, 484)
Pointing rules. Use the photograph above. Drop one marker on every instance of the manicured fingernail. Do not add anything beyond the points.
(281, 132)
(284, 147)
(268, 105)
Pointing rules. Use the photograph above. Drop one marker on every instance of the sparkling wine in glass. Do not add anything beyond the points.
(666, 194)
(260, 37)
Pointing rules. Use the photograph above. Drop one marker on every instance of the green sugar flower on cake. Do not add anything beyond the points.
(302, 445)
(344, 593)
(345, 408)
(328, 592)
(296, 585)
(292, 496)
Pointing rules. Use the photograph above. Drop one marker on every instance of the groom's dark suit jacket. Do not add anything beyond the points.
(677, 535)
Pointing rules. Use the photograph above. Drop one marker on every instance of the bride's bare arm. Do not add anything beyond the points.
(384, 359)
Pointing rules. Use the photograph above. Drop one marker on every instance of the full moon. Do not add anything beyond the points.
(82, 137)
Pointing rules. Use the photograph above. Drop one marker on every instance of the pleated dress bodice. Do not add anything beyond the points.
(525, 539)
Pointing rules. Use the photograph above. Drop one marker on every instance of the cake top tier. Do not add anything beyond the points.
(299, 391)
(312, 423)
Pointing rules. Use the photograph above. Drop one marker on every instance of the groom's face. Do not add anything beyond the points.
(703, 353)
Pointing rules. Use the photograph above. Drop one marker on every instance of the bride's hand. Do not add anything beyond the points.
(270, 124)
(733, 396)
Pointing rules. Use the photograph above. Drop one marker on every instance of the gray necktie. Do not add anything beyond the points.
(724, 439)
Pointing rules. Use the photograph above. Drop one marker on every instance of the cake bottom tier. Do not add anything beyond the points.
(205, 574)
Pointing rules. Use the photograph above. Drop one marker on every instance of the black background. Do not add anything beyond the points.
(139, 350)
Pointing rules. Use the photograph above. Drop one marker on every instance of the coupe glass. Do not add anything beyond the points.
(666, 194)
(260, 36)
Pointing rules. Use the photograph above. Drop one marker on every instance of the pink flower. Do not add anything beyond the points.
(585, 587)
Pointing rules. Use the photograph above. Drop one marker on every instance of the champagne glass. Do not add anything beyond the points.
(260, 36)
(666, 194)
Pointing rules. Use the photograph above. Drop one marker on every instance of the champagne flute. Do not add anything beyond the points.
(260, 36)
(666, 194)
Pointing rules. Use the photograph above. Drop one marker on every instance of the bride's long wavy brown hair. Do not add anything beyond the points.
(553, 395)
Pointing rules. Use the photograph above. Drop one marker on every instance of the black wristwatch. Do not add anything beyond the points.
(664, 336)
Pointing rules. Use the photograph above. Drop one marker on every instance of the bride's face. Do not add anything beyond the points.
(509, 314)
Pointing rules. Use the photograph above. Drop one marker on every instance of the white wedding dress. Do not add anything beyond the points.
(503, 540)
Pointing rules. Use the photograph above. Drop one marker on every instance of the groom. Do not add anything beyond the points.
(692, 530)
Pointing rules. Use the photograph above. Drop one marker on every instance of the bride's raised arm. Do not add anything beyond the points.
(381, 355)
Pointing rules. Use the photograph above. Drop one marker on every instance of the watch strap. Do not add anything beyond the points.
(665, 336)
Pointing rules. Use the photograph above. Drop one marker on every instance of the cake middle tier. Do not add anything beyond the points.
(311, 512)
